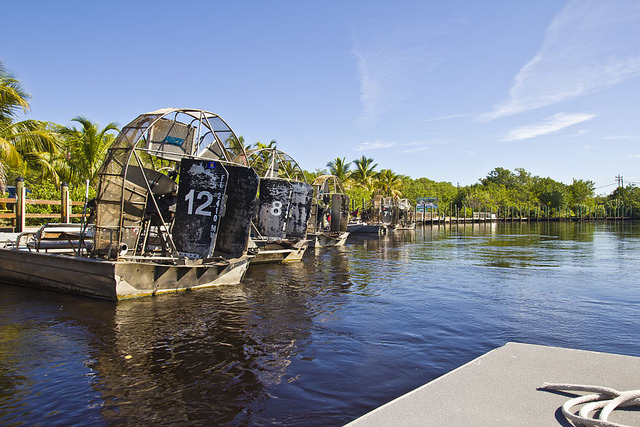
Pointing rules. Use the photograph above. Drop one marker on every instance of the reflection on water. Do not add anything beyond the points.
(322, 341)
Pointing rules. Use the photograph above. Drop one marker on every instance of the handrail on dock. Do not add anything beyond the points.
(18, 214)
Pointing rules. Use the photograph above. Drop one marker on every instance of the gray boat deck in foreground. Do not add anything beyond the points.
(500, 388)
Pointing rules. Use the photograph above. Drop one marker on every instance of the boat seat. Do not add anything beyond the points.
(57, 236)
(159, 183)
(45, 245)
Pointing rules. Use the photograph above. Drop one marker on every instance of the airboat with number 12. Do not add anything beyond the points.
(173, 212)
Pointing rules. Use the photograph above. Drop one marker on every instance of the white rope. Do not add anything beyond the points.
(604, 400)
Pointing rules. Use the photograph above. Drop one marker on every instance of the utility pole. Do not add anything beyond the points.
(620, 188)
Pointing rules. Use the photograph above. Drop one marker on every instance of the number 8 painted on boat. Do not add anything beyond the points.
(276, 209)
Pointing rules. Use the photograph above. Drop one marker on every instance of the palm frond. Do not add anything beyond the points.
(12, 96)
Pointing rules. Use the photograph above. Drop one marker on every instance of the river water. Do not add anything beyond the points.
(322, 341)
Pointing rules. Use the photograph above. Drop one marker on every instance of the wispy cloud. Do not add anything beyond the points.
(404, 147)
(389, 71)
(370, 90)
(415, 147)
(590, 45)
(552, 124)
(449, 117)
(375, 145)
(622, 137)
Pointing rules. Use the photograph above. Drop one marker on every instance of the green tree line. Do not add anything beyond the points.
(502, 190)
(46, 154)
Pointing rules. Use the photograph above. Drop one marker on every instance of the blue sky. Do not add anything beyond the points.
(446, 90)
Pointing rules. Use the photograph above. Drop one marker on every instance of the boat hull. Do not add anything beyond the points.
(409, 226)
(320, 240)
(113, 280)
(275, 252)
(364, 228)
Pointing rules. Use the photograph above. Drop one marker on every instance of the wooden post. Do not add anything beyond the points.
(20, 204)
(65, 203)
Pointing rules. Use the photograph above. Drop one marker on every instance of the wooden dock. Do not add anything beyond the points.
(13, 209)
(471, 220)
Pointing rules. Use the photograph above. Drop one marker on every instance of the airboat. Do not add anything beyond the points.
(404, 215)
(329, 213)
(384, 214)
(279, 229)
(172, 212)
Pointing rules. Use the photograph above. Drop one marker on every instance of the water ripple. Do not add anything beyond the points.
(321, 341)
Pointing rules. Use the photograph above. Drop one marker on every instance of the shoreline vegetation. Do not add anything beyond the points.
(46, 154)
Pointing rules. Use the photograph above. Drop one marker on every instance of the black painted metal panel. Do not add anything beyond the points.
(200, 205)
(235, 225)
(339, 212)
(273, 208)
(300, 210)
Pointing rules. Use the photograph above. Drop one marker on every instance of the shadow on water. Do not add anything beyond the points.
(206, 357)
(322, 341)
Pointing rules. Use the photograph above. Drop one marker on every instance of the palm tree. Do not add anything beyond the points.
(85, 149)
(260, 155)
(238, 148)
(340, 168)
(259, 145)
(28, 145)
(387, 182)
(364, 172)
(12, 97)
